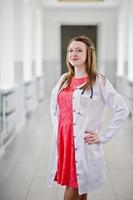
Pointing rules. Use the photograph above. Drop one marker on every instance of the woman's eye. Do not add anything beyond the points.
(70, 50)
(78, 50)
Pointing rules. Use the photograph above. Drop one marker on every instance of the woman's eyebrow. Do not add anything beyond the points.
(76, 48)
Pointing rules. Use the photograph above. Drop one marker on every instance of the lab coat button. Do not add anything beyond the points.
(74, 124)
(79, 113)
(86, 131)
(77, 174)
(74, 136)
(75, 149)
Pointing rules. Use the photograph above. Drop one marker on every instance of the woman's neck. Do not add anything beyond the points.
(80, 73)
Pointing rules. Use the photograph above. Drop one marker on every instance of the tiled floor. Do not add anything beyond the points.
(23, 169)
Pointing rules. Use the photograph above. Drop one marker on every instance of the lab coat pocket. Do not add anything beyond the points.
(96, 150)
(86, 101)
(93, 151)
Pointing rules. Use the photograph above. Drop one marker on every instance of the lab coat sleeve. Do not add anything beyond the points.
(53, 105)
(120, 110)
(53, 101)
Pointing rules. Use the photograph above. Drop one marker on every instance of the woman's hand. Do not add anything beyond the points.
(91, 137)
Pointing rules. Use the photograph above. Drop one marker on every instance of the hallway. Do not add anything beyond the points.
(33, 46)
(23, 169)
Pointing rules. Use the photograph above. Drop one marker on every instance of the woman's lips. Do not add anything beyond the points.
(73, 59)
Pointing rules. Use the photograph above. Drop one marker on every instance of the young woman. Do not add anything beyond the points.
(77, 109)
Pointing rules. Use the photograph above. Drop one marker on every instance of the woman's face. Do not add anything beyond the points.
(77, 53)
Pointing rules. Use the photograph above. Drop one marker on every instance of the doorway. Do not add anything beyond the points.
(69, 31)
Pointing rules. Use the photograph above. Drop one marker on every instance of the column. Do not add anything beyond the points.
(130, 42)
(122, 41)
(27, 46)
(6, 44)
(39, 42)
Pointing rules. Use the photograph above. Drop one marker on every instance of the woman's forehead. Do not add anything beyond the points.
(77, 44)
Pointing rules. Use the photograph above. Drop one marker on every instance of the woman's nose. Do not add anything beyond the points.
(74, 53)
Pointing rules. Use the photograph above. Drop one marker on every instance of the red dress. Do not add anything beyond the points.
(66, 169)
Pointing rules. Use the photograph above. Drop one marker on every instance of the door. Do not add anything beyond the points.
(69, 31)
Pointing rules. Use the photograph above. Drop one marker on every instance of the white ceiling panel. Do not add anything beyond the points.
(80, 1)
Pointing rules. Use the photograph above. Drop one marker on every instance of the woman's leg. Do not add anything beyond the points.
(72, 194)
(83, 196)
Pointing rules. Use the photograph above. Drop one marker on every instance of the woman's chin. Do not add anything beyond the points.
(75, 64)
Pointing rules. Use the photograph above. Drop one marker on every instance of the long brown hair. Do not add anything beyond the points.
(90, 64)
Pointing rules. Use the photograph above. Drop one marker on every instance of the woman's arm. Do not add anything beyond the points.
(120, 110)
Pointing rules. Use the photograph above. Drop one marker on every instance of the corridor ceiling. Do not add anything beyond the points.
(82, 3)
(80, 0)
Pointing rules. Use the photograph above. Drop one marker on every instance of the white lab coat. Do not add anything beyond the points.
(88, 114)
